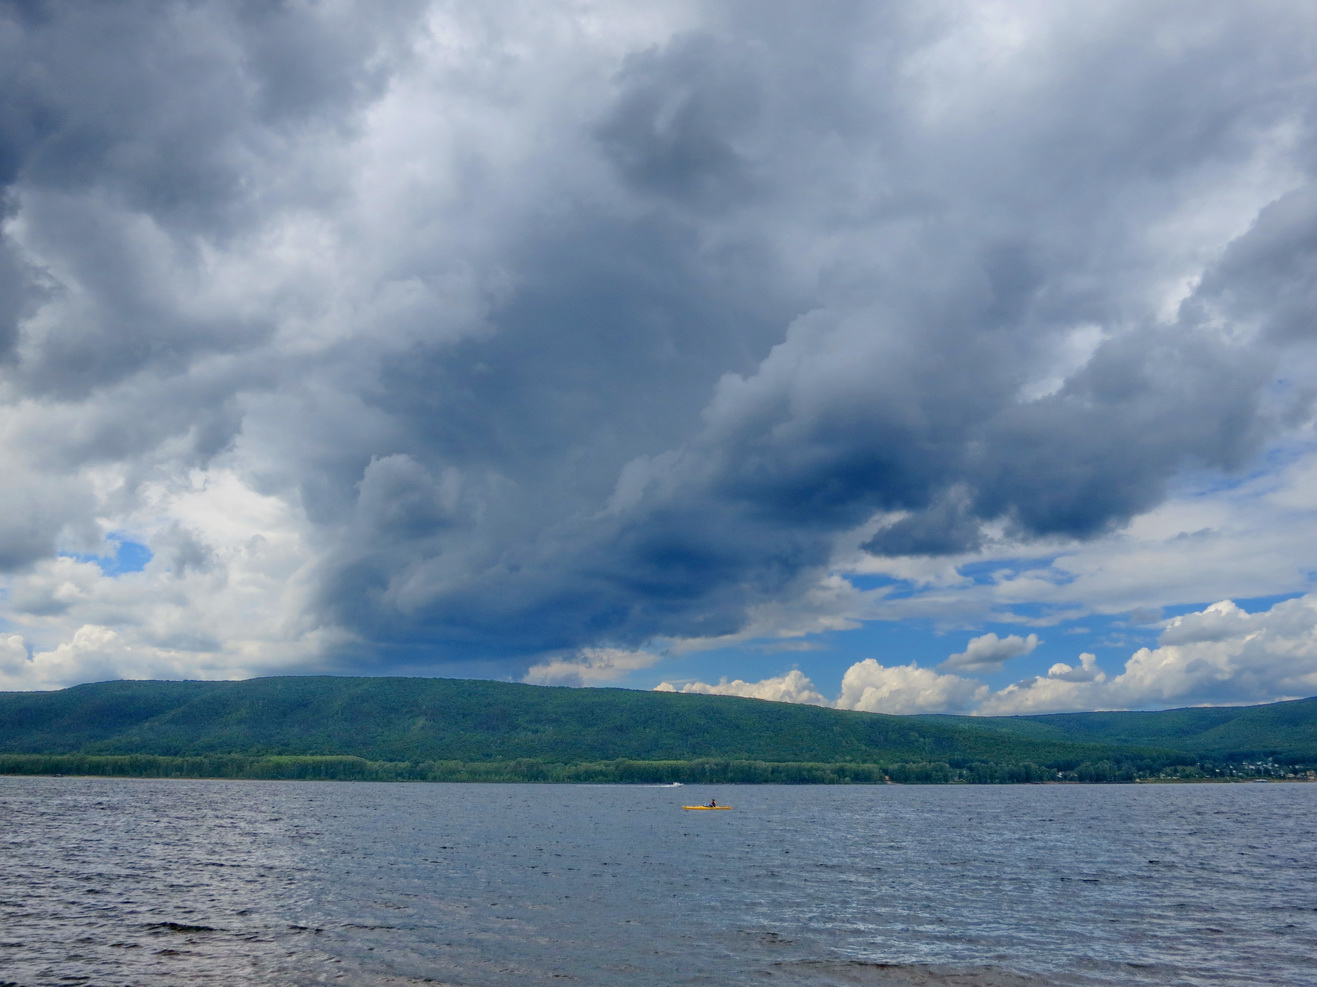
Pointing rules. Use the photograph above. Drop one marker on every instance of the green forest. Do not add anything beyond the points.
(423, 729)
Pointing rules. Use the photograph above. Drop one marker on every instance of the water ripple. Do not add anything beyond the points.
(118, 882)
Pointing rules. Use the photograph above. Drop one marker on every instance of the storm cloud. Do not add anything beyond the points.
(474, 337)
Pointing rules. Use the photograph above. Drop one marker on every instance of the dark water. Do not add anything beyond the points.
(130, 882)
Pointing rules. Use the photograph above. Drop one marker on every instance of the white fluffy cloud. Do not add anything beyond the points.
(988, 652)
(13, 658)
(223, 596)
(875, 688)
(1085, 671)
(1225, 654)
(793, 687)
(593, 666)
(1222, 655)
(867, 686)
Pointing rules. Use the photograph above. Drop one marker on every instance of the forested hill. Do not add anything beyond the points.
(415, 719)
(421, 721)
(1283, 731)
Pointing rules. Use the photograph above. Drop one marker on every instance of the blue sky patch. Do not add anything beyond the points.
(129, 556)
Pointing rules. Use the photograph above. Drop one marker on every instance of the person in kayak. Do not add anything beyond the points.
(713, 803)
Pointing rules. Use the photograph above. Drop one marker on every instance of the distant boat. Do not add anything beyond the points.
(710, 808)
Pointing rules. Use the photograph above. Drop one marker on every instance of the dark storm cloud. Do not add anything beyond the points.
(168, 113)
(947, 526)
(1102, 449)
(611, 343)
(899, 391)
(679, 117)
(20, 291)
(609, 348)
(676, 330)
(131, 134)
(170, 106)
(1269, 275)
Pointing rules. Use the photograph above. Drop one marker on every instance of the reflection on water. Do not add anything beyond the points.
(137, 882)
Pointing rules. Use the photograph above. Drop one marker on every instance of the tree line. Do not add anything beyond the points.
(621, 771)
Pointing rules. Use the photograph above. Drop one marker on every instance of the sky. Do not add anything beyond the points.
(906, 357)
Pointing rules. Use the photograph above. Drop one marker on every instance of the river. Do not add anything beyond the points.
(133, 882)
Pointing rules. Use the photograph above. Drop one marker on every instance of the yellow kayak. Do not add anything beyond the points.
(714, 808)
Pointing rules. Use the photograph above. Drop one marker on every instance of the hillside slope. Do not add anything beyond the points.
(402, 719)
(1285, 731)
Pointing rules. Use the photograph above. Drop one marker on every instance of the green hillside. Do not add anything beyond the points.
(412, 719)
(449, 729)
(1282, 731)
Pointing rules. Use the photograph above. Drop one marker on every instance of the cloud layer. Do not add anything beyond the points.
(1219, 656)
(519, 339)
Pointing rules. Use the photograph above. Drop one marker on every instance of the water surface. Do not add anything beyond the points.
(121, 883)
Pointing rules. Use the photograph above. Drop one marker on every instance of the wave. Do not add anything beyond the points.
(858, 973)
